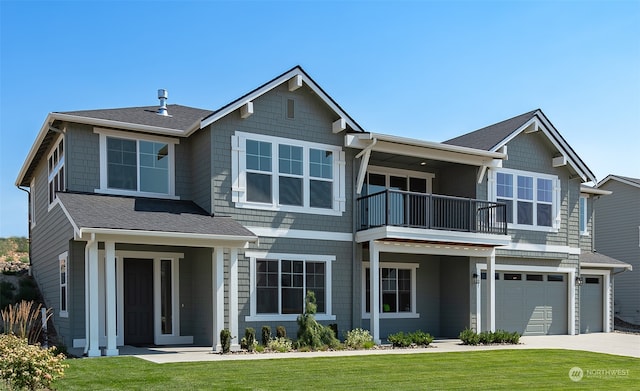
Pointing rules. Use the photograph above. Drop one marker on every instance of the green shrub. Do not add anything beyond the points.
(513, 338)
(225, 340)
(248, 342)
(357, 338)
(266, 335)
(6, 294)
(280, 344)
(400, 340)
(281, 332)
(28, 290)
(25, 366)
(486, 338)
(421, 338)
(311, 333)
(469, 337)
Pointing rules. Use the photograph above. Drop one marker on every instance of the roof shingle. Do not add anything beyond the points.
(147, 214)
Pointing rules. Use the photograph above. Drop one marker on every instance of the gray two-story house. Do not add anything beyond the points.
(617, 234)
(166, 224)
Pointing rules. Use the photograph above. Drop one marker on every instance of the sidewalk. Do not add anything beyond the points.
(610, 343)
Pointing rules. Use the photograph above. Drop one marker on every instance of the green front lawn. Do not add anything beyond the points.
(497, 369)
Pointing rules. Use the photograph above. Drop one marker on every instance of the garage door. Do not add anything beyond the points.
(591, 304)
(529, 303)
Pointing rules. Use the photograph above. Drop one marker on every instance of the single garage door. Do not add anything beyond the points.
(529, 303)
(591, 301)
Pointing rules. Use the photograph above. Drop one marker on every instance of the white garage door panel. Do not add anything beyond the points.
(529, 307)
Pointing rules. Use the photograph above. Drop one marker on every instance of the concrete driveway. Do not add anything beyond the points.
(610, 343)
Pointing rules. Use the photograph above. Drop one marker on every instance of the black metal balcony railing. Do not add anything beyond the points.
(430, 211)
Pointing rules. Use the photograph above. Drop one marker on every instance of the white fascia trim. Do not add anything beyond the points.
(594, 191)
(541, 123)
(174, 237)
(301, 234)
(290, 257)
(603, 265)
(432, 249)
(284, 318)
(616, 178)
(541, 248)
(76, 230)
(295, 72)
(425, 149)
(35, 146)
(468, 238)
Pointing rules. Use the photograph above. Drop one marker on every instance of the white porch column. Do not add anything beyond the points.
(491, 291)
(374, 292)
(217, 278)
(110, 290)
(233, 299)
(92, 292)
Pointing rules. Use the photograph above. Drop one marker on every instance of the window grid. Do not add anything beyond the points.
(396, 290)
(56, 180)
(62, 259)
(281, 285)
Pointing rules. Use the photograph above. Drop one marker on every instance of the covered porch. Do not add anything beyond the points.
(134, 251)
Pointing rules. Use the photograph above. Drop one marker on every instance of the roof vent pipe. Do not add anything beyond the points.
(163, 95)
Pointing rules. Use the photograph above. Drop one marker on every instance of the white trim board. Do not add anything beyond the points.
(270, 232)
(606, 294)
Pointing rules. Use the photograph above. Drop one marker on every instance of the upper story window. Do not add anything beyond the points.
(133, 164)
(55, 169)
(583, 216)
(532, 199)
(287, 175)
(64, 277)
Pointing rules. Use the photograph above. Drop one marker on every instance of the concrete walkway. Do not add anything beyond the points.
(611, 343)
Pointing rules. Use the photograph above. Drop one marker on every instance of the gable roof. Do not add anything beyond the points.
(494, 137)
(294, 72)
(138, 216)
(635, 182)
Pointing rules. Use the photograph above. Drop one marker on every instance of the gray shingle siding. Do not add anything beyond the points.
(312, 123)
(82, 158)
(50, 238)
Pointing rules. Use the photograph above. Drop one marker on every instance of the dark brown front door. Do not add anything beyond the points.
(138, 301)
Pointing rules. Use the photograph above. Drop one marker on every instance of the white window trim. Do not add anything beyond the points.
(239, 171)
(64, 257)
(56, 170)
(555, 205)
(414, 289)
(254, 255)
(585, 231)
(104, 188)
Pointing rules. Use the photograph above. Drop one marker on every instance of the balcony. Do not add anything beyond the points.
(463, 218)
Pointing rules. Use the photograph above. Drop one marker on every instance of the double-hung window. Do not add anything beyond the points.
(397, 284)
(532, 199)
(280, 282)
(55, 171)
(287, 175)
(136, 165)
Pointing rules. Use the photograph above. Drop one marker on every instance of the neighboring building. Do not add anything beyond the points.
(617, 234)
(169, 224)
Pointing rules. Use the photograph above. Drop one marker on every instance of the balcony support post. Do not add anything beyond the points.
(491, 291)
(374, 283)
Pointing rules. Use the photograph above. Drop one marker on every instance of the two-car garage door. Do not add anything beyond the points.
(529, 303)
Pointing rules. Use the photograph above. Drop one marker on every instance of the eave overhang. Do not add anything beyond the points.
(424, 149)
(594, 191)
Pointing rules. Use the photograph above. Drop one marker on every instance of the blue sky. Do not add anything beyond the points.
(429, 70)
